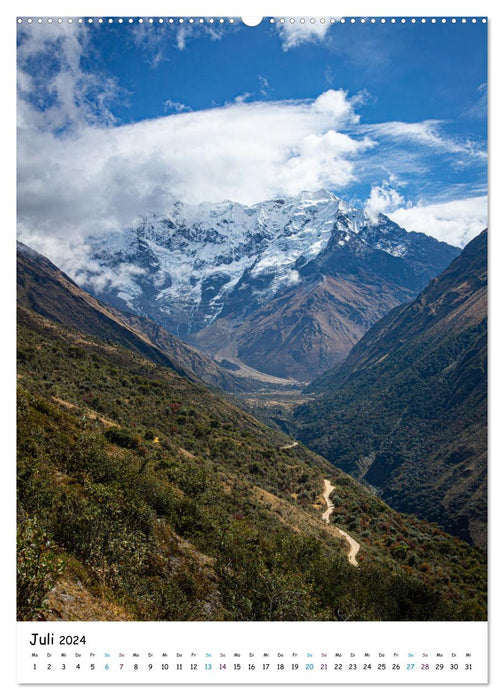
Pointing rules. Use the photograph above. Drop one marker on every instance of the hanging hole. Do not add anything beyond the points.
(251, 21)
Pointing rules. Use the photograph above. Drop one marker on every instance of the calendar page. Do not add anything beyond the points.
(252, 349)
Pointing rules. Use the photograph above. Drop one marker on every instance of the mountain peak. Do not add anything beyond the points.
(215, 265)
(317, 195)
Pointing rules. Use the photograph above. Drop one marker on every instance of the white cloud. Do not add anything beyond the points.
(264, 86)
(183, 33)
(302, 30)
(427, 133)
(174, 106)
(335, 103)
(103, 178)
(422, 154)
(79, 173)
(455, 222)
(243, 97)
(383, 199)
(156, 39)
(479, 108)
(55, 92)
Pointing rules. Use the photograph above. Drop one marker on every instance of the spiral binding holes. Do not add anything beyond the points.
(236, 20)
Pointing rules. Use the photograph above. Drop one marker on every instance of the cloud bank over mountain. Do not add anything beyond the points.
(81, 171)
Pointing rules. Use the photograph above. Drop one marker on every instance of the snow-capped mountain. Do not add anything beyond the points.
(194, 256)
(203, 271)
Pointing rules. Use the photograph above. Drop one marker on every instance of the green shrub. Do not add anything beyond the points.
(39, 565)
(122, 437)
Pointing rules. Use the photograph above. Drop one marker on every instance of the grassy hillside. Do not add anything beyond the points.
(42, 287)
(142, 495)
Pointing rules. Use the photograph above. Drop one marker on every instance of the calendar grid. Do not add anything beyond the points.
(325, 653)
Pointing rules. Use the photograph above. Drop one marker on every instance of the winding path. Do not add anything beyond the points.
(289, 447)
(354, 546)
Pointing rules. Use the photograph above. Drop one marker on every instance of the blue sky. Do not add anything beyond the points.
(413, 72)
(116, 119)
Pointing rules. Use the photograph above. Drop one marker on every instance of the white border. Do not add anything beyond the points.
(7, 295)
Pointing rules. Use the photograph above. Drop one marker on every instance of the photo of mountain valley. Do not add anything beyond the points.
(251, 320)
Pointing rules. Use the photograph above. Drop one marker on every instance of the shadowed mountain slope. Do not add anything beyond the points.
(407, 410)
(42, 287)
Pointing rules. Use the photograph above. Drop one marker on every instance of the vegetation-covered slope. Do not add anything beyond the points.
(407, 410)
(142, 495)
(44, 288)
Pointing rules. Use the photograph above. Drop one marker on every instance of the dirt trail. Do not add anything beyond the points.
(354, 546)
(90, 414)
(289, 447)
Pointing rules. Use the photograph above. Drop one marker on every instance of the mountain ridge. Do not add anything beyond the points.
(406, 410)
(44, 288)
(193, 268)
